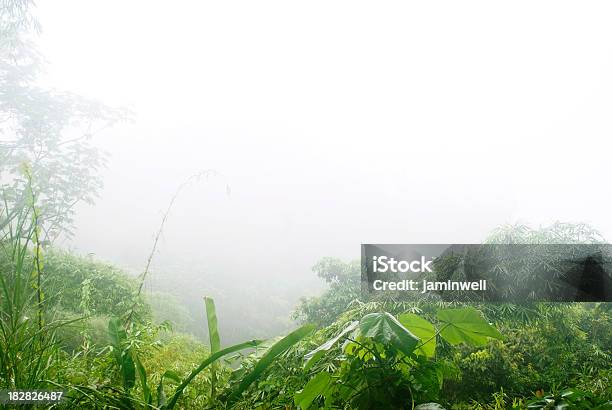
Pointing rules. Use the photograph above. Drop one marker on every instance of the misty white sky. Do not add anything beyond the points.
(336, 123)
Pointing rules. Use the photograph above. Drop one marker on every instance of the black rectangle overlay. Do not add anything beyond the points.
(514, 273)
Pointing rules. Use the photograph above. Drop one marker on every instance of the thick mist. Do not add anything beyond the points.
(337, 124)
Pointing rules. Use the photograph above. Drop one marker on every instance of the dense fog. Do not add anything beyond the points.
(327, 125)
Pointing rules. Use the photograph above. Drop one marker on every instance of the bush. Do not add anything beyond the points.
(85, 286)
(569, 347)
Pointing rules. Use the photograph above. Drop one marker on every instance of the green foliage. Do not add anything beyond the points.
(271, 354)
(373, 359)
(317, 386)
(571, 399)
(87, 292)
(344, 280)
(379, 354)
(571, 347)
(28, 345)
(384, 328)
(176, 355)
(312, 357)
(105, 289)
(122, 353)
(557, 233)
(383, 364)
(128, 343)
(83, 292)
(67, 322)
(210, 360)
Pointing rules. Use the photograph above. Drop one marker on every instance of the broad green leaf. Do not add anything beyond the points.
(267, 359)
(314, 388)
(384, 328)
(423, 330)
(213, 331)
(466, 326)
(314, 356)
(211, 359)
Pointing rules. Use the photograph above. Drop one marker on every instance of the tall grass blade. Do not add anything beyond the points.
(268, 358)
(215, 340)
(211, 359)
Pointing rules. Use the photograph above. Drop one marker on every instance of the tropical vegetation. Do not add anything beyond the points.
(74, 324)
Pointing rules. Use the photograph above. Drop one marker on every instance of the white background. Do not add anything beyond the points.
(336, 123)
